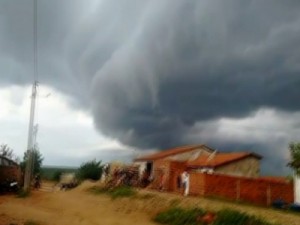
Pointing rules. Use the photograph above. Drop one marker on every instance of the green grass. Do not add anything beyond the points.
(123, 191)
(228, 216)
(118, 192)
(180, 216)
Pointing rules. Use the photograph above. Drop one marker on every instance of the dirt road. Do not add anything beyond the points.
(74, 207)
(78, 207)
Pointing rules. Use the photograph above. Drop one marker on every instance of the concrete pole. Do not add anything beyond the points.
(29, 163)
(30, 142)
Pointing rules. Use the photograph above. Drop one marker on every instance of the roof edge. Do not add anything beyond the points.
(192, 147)
(259, 157)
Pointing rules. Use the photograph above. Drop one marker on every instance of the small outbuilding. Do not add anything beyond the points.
(9, 170)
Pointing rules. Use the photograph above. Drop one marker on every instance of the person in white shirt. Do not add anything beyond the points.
(186, 182)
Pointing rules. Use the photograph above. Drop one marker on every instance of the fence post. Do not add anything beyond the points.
(269, 195)
(238, 189)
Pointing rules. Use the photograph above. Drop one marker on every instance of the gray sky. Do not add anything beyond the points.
(130, 76)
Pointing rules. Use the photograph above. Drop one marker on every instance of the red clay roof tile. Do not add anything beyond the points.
(220, 159)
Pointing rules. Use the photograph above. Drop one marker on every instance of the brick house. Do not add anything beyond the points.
(232, 175)
(9, 170)
(161, 160)
(201, 159)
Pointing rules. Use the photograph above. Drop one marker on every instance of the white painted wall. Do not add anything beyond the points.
(297, 189)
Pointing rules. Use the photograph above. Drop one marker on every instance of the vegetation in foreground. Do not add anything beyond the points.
(117, 192)
(198, 216)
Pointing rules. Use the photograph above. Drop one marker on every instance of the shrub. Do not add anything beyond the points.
(229, 217)
(90, 170)
(56, 175)
(179, 216)
(122, 191)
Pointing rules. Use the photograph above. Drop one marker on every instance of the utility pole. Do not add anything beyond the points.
(31, 139)
(30, 144)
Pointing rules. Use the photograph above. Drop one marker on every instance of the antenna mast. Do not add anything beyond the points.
(31, 140)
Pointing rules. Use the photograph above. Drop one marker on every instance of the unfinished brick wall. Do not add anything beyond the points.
(282, 191)
(161, 167)
(176, 169)
(219, 185)
(252, 190)
(197, 183)
(257, 191)
(10, 172)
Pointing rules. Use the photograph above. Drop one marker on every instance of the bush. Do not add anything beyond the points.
(90, 170)
(121, 192)
(179, 216)
(229, 217)
(56, 175)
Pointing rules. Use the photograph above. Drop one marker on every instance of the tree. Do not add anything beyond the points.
(37, 159)
(295, 157)
(90, 170)
(6, 151)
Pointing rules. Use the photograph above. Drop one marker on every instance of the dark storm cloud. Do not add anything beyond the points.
(193, 61)
(151, 70)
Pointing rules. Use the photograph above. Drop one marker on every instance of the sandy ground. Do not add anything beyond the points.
(78, 207)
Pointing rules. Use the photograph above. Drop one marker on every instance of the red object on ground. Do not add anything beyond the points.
(208, 218)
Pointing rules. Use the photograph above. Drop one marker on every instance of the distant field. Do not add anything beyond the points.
(50, 172)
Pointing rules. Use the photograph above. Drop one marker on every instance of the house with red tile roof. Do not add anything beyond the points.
(202, 159)
(245, 164)
(161, 160)
(230, 175)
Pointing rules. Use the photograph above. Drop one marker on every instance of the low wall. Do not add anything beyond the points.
(253, 190)
(261, 191)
